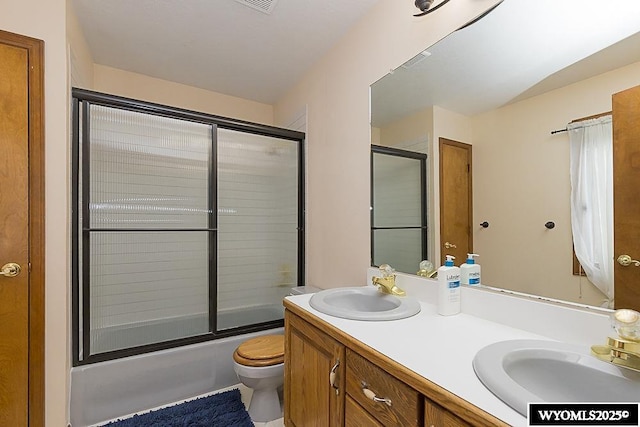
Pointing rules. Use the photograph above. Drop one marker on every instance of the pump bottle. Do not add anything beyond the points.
(470, 271)
(448, 288)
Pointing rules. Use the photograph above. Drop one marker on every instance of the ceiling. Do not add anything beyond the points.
(219, 45)
(520, 49)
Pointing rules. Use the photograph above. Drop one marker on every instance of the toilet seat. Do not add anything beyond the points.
(266, 350)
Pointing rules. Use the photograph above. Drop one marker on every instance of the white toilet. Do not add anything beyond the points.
(259, 364)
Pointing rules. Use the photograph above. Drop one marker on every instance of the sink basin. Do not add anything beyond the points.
(363, 303)
(523, 371)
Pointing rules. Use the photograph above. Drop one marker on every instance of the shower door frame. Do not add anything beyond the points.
(81, 101)
(397, 152)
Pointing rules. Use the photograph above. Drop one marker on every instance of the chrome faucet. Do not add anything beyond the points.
(387, 283)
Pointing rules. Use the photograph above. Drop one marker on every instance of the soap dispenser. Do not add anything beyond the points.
(448, 288)
(470, 271)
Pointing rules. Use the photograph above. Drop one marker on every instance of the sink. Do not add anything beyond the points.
(363, 303)
(523, 371)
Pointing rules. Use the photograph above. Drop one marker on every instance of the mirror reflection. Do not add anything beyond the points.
(494, 92)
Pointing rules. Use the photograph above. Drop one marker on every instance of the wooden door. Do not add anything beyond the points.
(310, 357)
(21, 232)
(626, 189)
(455, 200)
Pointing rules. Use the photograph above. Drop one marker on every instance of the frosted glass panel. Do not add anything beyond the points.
(396, 191)
(147, 287)
(257, 226)
(147, 171)
(401, 249)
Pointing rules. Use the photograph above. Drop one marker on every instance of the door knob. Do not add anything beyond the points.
(448, 245)
(625, 261)
(10, 269)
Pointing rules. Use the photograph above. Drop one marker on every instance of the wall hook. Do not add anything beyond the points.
(550, 225)
(484, 224)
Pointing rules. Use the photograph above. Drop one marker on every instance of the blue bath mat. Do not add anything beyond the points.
(219, 410)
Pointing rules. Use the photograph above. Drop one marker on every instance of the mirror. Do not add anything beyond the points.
(502, 85)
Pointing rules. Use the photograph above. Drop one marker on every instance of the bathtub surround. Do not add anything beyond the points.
(107, 390)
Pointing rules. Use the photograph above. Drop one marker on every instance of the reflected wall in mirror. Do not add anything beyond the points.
(502, 85)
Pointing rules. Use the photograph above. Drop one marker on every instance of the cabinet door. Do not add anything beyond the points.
(436, 416)
(311, 399)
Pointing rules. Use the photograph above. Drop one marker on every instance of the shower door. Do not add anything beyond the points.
(186, 227)
(398, 208)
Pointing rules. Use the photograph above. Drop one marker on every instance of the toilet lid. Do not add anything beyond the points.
(261, 351)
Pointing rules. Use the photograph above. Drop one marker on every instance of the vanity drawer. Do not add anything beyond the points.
(366, 382)
(356, 416)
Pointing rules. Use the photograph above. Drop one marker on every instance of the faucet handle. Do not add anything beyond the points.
(387, 270)
(626, 323)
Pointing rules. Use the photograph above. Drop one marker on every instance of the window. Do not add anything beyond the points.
(186, 227)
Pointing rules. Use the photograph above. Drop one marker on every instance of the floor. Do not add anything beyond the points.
(245, 394)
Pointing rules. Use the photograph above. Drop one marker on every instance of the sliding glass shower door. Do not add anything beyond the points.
(257, 226)
(398, 208)
(186, 227)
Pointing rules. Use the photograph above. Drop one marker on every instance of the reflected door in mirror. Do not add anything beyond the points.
(455, 200)
(626, 212)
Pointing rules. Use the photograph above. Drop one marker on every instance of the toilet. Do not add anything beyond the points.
(259, 364)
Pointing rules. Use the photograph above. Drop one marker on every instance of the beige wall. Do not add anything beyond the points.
(45, 20)
(138, 86)
(336, 91)
(521, 181)
(80, 57)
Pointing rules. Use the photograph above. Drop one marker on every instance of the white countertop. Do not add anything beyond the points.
(441, 348)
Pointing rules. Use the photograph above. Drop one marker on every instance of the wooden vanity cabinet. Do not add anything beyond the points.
(356, 416)
(437, 416)
(396, 403)
(310, 357)
(314, 397)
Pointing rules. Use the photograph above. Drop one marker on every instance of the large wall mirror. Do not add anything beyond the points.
(503, 85)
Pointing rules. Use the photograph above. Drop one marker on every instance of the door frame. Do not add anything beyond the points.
(36, 268)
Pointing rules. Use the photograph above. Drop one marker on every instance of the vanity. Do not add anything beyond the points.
(415, 371)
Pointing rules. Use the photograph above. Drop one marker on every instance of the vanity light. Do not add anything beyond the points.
(425, 6)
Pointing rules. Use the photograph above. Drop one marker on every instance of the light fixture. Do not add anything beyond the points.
(425, 6)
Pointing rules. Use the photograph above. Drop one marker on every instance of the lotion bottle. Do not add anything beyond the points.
(470, 271)
(448, 288)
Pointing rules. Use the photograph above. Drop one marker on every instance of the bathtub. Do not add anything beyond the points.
(107, 390)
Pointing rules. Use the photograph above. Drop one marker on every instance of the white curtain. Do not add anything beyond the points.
(592, 199)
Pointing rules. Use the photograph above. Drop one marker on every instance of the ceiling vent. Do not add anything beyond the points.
(264, 6)
(416, 60)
